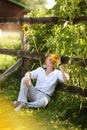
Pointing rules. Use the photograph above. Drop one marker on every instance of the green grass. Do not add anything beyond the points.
(64, 112)
(9, 42)
(6, 61)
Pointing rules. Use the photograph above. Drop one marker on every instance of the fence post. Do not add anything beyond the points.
(25, 47)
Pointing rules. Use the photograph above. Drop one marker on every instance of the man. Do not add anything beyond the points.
(47, 78)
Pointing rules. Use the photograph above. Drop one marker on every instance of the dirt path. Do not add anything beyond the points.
(23, 120)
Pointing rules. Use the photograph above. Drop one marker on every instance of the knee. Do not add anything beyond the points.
(26, 83)
(46, 101)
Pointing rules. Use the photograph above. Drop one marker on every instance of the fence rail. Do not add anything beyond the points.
(41, 20)
(40, 56)
(22, 53)
(72, 89)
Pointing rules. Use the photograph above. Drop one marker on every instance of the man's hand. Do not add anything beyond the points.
(59, 62)
(27, 82)
(27, 79)
(64, 74)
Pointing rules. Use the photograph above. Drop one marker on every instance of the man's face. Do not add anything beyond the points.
(49, 62)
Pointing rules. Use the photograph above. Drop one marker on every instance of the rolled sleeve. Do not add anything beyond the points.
(60, 77)
(34, 73)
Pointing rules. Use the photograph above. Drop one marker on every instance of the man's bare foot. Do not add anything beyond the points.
(18, 105)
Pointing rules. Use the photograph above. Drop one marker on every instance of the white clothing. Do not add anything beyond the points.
(39, 96)
(46, 83)
(36, 98)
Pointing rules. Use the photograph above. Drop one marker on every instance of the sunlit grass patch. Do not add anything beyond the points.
(10, 41)
(6, 61)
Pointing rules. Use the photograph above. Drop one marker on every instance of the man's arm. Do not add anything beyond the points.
(31, 75)
(64, 74)
(27, 79)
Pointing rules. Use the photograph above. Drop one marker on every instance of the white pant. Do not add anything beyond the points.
(36, 98)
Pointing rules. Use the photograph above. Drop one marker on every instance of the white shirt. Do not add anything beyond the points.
(46, 83)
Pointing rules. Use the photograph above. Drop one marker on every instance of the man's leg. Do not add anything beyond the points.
(22, 97)
(42, 102)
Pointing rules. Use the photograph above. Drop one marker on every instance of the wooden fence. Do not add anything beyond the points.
(42, 20)
(24, 54)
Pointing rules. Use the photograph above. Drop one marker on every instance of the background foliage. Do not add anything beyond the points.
(33, 5)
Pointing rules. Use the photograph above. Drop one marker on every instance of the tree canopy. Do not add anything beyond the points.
(34, 4)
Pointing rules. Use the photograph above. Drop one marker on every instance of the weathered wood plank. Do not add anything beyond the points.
(24, 47)
(9, 71)
(31, 20)
(41, 20)
(71, 60)
(40, 56)
(80, 19)
(22, 53)
(72, 89)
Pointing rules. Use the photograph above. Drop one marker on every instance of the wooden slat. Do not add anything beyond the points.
(80, 19)
(40, 56)
(22, 53)
(41, 20)
(30, 20)
(71, 61)
(9, 71)
(72, 89)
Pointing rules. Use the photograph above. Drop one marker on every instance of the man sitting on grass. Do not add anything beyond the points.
(47, 78)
